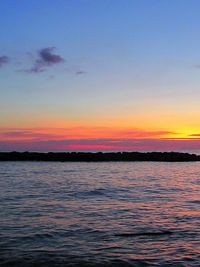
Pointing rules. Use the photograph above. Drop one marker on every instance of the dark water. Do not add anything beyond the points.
(99, 214)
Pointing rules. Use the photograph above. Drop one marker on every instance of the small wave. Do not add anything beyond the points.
(167, 232)
(99, 191)
(91, 193)
(49, 260)
(195, 201)
(107, 192)
(36, 237)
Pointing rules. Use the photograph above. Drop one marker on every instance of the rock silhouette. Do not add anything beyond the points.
(98, 156)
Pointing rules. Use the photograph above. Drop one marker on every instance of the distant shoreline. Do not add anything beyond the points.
(99, 156)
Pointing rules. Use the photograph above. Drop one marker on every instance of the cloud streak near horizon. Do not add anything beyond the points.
(102, 145)
(75, 139)
(79, 133)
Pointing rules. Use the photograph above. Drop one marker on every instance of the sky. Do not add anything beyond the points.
(100, 75)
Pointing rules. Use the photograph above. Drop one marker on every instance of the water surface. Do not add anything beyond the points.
(99, 214)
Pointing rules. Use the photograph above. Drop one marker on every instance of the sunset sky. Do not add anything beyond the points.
(100, 75)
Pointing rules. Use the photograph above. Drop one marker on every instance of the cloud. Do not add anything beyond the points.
(195, 135)
(101, 144)
(3, 60)
(80, 72)
(92, 139)
(25, 135)
(197, 66)
(46, 58)
(145, 134)
(83, 132)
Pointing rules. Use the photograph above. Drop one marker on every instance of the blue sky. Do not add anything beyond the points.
(130, 63)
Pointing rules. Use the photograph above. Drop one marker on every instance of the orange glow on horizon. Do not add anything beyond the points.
(79, 137)
(89, 132)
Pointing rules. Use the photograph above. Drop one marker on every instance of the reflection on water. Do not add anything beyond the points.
(99, 214)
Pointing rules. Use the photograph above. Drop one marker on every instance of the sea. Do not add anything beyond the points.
(99, 214)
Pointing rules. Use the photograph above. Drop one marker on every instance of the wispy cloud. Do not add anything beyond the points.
(78, 132)
(28, 134)
(101, 145)
(137, 133)
(197, 66)
(92, 139)
(3, 60)
(46, 58)
(195, 135)
(80, 72)
(41, 61)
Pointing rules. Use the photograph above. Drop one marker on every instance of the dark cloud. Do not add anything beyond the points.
(47, 58)
(3, 60)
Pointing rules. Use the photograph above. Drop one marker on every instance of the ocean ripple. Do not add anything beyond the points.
(99, 214)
